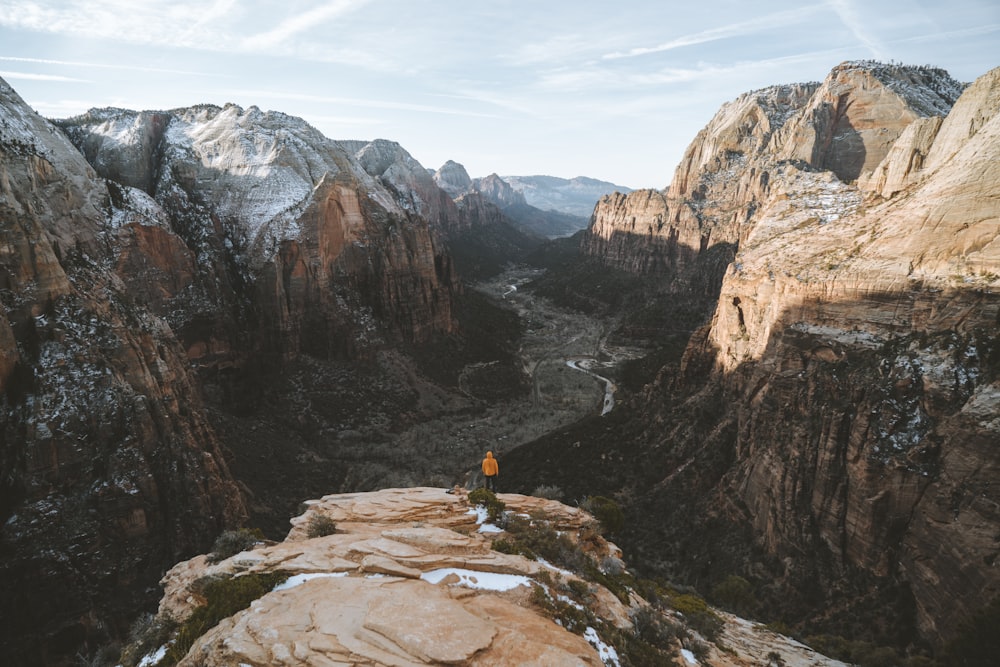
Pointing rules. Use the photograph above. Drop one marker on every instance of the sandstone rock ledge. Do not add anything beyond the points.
(411, 578)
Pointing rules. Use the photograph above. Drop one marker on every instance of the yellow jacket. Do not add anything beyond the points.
(490, 466)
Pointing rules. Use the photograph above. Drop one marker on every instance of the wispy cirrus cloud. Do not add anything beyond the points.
(225, 26)
(93, 65)
(606, 78)
(152, 23)
(299, 23)
(740, 29)
(951, 34)
(32, 76)
(851, 19)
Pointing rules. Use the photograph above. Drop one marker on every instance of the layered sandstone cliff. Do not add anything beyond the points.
(846, 387)
(861, 340)
(196, 242)
(296, 247)
(688, 233)
(827, 434)
(109, 468)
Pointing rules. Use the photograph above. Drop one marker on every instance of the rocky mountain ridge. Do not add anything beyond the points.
(532, 220)
(845, 242)
(201, 251)
(110, 468)
(574, 196)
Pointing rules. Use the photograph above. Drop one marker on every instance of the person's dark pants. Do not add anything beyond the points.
(491, 483)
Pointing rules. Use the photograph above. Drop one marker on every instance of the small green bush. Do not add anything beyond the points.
(320, 525)
(148, 633)
(735, 594)
(580, 590)
(232, 542)
(607, 512)
(698, 615)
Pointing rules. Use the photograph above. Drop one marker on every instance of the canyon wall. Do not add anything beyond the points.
(846, 389)
(863, 351)
(147, 257)
(110, 470)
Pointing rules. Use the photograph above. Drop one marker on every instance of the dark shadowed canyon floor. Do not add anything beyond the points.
(426, 418)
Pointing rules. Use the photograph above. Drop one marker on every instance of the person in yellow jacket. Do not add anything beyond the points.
(490, 470)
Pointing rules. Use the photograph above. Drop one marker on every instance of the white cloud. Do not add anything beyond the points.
(303, 22)
(89, 65)
(743, 28)
(852, 20)
(31, 76)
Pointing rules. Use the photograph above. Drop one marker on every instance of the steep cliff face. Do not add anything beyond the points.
(846, 390)
(414, 187)
(198, 240)
(846, 125)
(863, 348)
(827, 434)
(109, 469)
(296, 246)
(689, 233)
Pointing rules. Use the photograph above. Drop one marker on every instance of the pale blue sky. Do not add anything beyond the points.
(611, 90)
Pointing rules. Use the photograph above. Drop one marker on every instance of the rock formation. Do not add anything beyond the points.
(110, 470)
(410, 577)
(453, 179)
(846, 387)
(200, 245)
(279, 216)
(689, 233)
(862, 343)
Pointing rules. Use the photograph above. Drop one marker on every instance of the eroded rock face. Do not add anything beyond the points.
(297, 246)
(847, 125)
(410, 577)
(855, 341)
(109, 468)
(880, 324)
(453, 179)
(233, 239)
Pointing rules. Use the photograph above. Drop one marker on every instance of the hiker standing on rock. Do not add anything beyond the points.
(490, 470)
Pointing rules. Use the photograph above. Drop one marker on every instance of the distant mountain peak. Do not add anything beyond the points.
(574, 196)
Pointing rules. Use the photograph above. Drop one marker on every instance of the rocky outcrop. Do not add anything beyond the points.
(414, 187)
(411, 576)
(498, 191)
(846, 125)
(296, 244)
(109, 468)
(855, 342)
(886, 319)
(855, 117)
(688, 234)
